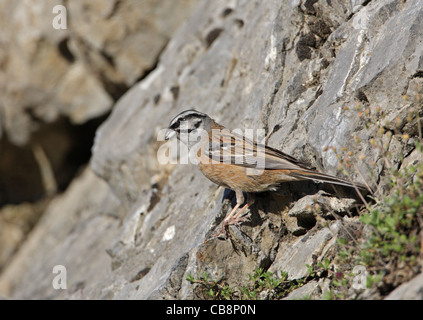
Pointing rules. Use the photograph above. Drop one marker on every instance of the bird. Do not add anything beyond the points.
(235, 162)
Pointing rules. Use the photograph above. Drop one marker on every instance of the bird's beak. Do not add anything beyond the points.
(169, 134)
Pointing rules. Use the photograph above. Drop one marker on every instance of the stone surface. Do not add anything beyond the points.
(293, 257)
(68, 235)
(305, 292)
(15, 223)
(411, 290)
(78, 71)
(53, 82)
(57, 85)
(309, 208)
(298, 69)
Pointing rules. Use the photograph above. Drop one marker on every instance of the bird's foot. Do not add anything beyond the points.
(222, 233)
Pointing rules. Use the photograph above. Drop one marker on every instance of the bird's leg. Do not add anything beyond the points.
(237, 218)
(239, 201)
(229, 217)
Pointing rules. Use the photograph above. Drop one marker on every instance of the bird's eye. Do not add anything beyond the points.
(197, 124)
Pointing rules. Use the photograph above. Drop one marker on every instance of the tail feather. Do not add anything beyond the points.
(311, 175)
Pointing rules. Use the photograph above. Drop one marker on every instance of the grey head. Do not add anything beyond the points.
(188, 122)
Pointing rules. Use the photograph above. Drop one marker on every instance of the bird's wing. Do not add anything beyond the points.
(230, 147)
(233, 148)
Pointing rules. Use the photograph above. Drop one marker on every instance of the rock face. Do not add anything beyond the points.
(305, 71)
(54, 83)
(57, 85)
(79, 71)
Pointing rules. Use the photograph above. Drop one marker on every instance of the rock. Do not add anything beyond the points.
(305, 292)
(320, 203)
(67, 235)
(16, 221)
(78, 71)
(57, 85)
(293, 258)
(411, 290)
(82, 95)
(308, 209)
(298, 70)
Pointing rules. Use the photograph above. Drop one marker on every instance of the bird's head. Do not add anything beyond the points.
(188, 122)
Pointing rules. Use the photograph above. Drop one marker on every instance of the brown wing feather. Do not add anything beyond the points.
(236, 149)
(243, 152)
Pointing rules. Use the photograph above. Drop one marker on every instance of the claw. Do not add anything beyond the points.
(234, 218)
(222, 233)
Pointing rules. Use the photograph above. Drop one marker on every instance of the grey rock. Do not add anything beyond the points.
(411, 290)
(321, 204)
(67, 235)
(16, 221)
(57, 83)
(77, 72)
(293, 258)
(307, 291)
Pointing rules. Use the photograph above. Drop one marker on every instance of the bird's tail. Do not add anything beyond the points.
(322, 177)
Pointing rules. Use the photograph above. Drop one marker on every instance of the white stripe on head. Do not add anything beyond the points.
(186, 114)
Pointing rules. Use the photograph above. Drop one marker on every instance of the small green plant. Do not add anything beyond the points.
(392, 247)
(213, 289)
(261, 285)
(389, 243)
